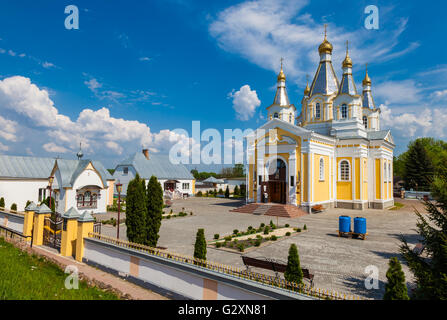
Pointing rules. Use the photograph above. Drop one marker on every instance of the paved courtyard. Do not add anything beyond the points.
(338, 263)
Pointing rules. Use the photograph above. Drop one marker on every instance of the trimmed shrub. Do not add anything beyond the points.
(288, 234)
(235, 231)
(258, 242)
(227, 238)
(227, 192)
(298, 229)
(293, 270)
(273, 238)
(287, 225)
(200, 245)
(216, 236)
(305, 227)
(14, 207)
(262, 225)
(241, 247)
(2, 202)
(199, 194)
(266, 230)
(218, 244)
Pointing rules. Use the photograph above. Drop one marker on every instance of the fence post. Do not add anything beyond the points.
(41, 213)
(69, 232)
(85, 226)
(29, 219)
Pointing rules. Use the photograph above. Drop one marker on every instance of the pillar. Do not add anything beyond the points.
(69, 232)
(85, 226)
(39, 218)
(29, 219)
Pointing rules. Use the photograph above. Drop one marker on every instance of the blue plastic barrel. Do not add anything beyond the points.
(344, 224)
(360, 225)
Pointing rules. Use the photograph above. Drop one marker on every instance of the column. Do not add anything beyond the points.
(29, 220)
(69, 232)
(85, 226)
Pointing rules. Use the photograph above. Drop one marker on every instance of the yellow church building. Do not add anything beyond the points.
(333, 154)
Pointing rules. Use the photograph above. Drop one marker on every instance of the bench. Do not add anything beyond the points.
(274, 266)
(317, 208)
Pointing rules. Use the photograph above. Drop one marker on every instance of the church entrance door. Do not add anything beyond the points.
(277, 186)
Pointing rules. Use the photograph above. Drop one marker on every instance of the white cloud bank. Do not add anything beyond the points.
(245, 102)
(98, 131)
(263, 31)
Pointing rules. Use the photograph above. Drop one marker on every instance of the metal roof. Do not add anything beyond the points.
(348, 85)
(368, 101)
(157, 165)
(214, 180)
(325, 80)
(71, 169)
(378, 135)
(25, 167)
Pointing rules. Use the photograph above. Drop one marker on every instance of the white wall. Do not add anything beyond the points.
(20, 191)
(182, 279)
(12, 221)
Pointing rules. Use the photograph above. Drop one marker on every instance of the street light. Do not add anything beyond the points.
(50, 180)
(119, 188)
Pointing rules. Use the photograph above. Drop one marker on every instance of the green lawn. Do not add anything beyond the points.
(397, 206)
(29, 277)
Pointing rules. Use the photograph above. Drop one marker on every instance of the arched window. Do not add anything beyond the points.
(344, 111)
(365, 122)
(276, 115)
(344, 170)
(321, 169)
(317, 111)
(80, 201)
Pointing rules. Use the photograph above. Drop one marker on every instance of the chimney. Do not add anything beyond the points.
(146, 153)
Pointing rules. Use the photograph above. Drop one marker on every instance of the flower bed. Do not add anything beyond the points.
(240, 241)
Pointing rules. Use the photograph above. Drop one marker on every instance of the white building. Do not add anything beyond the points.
(172, 177)
(26, 178)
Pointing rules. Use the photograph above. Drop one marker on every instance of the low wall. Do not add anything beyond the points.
(12, 221)
(176, 279)
(417, 194)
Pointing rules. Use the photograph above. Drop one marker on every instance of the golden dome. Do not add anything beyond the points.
(367, 80)
(307, 90)
(281, 75)
(347, 63)
(325, 46)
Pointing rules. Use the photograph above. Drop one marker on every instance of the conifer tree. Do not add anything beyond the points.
(293, 270)
(200, 245)
(136, 211)
(396, 288)
(430, 268)
(2, 202)
(154, 204)
(236, 191)
(418, 168)
(227, 192)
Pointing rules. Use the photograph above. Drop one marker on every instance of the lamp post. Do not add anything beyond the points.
(50, 180)
(119, 188)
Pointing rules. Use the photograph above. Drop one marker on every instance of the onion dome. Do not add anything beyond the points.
(307, 90)
(325, 46)
(367, 80)
(347, 63)
(281, 75)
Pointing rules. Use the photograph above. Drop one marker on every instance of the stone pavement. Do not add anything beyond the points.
(338, 263)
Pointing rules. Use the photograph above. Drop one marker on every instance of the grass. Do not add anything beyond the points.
(397, 206)
(30, 277)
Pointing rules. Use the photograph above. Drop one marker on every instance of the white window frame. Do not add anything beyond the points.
(339, 170)
(321, 167)
(365, 123)
(185, 184)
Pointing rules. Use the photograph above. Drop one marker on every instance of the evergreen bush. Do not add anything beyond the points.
(2, 202)
(293, 271)
(14, 207)
(200, 245)
(395, 289)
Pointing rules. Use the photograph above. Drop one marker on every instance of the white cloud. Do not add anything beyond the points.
(398, 92)
(8, 129)
(439, 95)
(47, 65)
(427, 122)
(3, 147)
(96, 129)
(245, 102)
(93, 84)
(145, 59)
(53, 148)
(263, 31)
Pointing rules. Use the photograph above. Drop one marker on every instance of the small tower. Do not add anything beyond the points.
(371, 114)
(281, 107)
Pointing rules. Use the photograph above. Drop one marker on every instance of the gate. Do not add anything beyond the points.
(52, 232)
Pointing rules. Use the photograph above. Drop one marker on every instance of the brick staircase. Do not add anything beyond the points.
(274, 210)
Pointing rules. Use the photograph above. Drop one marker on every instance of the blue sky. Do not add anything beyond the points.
(137, 70)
